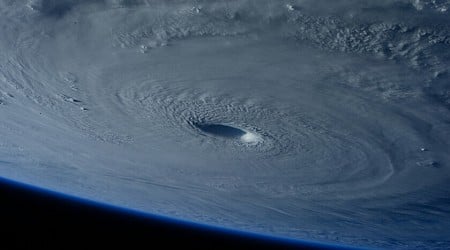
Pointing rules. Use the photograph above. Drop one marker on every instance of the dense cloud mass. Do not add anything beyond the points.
(318, 120)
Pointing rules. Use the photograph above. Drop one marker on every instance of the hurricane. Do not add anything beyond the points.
(317, 120)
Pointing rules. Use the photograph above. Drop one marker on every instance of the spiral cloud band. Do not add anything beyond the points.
(318, 120)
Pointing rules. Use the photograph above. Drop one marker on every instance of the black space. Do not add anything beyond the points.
(31, 218)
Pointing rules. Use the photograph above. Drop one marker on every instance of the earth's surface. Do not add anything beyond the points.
(315, 120)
